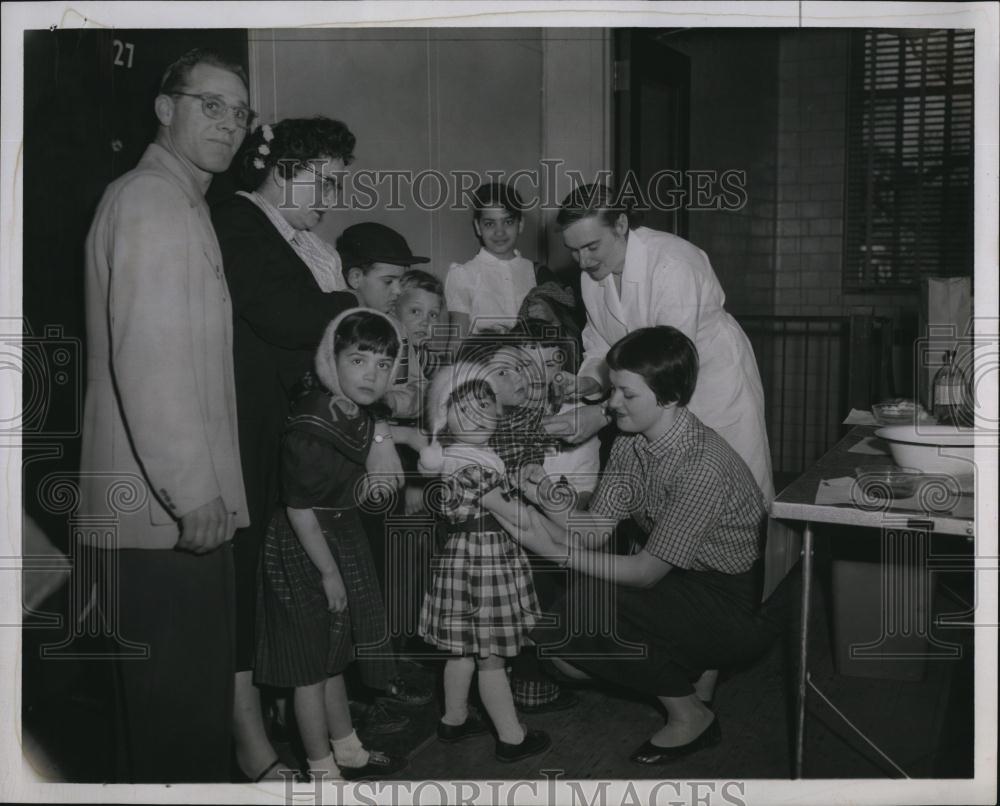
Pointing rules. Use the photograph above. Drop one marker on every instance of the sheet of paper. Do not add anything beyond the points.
(871, 446)
(933, 497)
(860, 417)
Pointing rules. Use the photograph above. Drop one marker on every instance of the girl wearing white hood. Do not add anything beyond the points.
(320, 596)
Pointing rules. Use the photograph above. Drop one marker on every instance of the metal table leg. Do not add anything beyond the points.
(807, 572)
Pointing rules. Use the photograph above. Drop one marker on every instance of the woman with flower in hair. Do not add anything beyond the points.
(287, 286)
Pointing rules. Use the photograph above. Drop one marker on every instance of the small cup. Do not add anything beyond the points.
(897, 412)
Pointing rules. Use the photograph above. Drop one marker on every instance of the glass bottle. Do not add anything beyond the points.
(951, 394)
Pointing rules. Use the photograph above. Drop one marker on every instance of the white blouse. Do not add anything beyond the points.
(489, 290)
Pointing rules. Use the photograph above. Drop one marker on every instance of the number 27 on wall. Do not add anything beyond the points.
(120, 50)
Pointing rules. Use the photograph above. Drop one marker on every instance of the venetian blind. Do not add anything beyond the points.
(909, 158)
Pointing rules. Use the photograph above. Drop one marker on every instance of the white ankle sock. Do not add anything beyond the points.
(457, 681)
(494, 691)
(325, 765)
(349, 751)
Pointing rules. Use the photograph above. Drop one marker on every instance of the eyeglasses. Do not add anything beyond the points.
(215, 108)
(331, 184)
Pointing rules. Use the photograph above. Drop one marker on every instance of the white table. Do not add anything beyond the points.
(797, 503)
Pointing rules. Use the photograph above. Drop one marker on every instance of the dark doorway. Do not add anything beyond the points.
(651, 122)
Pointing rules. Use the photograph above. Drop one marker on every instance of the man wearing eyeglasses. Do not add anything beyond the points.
(160, 418)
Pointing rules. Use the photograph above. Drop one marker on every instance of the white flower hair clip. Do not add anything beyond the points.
(268, 134)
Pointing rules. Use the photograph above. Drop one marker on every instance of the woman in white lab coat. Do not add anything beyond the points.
(633, 278)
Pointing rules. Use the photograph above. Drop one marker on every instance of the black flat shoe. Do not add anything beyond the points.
(534, 742)
(380, 765)
(652, 754)
(455, 733)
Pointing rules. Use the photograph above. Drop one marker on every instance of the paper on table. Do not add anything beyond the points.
(938, 499)
(872, 446)
(859, 417)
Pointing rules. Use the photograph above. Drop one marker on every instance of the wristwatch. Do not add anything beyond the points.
(378, 439)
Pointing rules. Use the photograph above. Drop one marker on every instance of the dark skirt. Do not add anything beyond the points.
(659, 640)
(300, 642)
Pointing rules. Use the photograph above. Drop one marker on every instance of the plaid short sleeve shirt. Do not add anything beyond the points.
(690, 492)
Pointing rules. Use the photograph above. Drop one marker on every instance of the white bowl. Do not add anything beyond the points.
(942, 449)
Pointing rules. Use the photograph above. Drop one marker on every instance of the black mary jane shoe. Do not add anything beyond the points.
(534, 742)
(456, 733)
(380, 765)
(651, 754)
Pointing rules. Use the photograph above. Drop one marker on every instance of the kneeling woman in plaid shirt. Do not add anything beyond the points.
(687, 602)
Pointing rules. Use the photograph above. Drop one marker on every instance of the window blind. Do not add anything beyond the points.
(909, 158)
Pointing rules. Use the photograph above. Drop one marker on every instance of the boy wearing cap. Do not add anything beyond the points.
(374, 257)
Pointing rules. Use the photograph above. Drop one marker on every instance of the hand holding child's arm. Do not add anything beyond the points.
(525, 524)
(531, 473)
(576, 425)
(575, 387)
(307, 530)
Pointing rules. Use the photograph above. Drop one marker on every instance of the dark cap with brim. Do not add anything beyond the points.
(375, 243)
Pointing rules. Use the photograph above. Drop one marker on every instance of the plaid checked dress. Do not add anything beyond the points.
(520, 440)
(482, 599)
(299, 641)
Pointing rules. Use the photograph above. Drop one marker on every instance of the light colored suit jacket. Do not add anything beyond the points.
(669, 281)
(159, 428)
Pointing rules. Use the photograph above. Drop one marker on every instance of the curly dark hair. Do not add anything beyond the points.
(296, 141)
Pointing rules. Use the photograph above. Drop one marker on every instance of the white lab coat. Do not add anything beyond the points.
(668, 281)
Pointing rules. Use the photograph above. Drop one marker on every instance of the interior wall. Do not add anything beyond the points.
(576, 116)
(734, 119)
(812, 157)
(446, 100)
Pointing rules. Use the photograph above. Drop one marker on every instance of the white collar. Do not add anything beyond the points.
(487, 255)
(287, 231)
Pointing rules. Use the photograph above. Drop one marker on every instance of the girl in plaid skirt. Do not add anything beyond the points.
(319, 597)
(482, 600)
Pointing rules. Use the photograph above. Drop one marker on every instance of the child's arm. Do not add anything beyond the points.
(403, 400)
(382, 462)
(566, 524)
(408, 435)
(307, 530)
